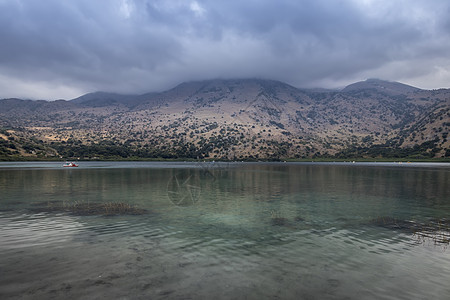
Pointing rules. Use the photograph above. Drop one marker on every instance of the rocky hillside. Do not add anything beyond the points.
(233, 119)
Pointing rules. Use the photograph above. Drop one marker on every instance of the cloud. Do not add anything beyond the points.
(135, 46)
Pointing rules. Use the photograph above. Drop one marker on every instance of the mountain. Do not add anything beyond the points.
(381, 86)
(102, 99)
(233, 119)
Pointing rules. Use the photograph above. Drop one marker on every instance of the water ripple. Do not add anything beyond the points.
(26, 230)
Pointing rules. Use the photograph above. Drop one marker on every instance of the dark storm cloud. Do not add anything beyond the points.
(57, 48)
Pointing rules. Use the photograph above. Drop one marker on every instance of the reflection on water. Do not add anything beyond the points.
(233, 230)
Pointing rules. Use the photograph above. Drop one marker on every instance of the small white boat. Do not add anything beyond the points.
(70, 165)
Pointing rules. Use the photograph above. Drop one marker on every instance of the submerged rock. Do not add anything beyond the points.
(279, 221)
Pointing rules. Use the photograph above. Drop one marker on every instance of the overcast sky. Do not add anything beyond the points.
(53, 49)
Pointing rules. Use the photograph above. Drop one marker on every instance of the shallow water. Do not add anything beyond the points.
(224, 230)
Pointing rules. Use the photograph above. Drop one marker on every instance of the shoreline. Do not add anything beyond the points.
(137, 159)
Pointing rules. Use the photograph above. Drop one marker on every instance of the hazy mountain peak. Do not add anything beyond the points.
(387, 87)
(97, 99)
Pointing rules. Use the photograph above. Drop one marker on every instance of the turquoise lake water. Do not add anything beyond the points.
(152, 230)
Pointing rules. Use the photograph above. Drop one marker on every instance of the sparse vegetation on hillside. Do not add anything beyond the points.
(232, 120)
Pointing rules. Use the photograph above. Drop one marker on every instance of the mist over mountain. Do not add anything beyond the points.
(233, 120)
(387, 87)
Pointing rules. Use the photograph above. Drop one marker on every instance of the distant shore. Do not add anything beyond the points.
(325, 159)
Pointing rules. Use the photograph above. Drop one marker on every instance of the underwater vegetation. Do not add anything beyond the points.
(432, 231)
(89, 208)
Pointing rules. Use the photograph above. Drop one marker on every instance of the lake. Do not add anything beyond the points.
(204, 230)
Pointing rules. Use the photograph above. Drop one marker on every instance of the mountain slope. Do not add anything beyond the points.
(381, 86)
(235, 119)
